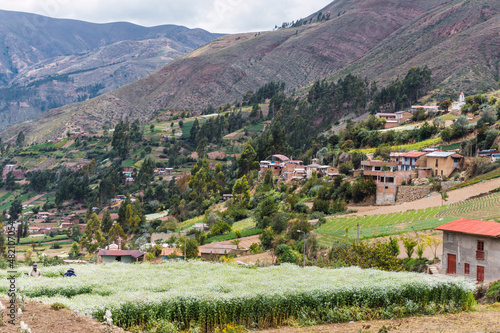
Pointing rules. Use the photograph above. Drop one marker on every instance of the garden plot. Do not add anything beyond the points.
(206, 295)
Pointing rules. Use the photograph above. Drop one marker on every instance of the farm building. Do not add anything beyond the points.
(171, 253)
(126, 256)
(471, 248)
(442, 163)
(213, 251)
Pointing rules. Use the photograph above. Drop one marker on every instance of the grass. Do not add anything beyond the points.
(232, 235)
(42, 240)
(189, 223)
(245, 224)
(409, 147)
(256, 128)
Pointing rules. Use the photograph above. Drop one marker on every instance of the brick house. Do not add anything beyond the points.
(442, 163)
(387, 178)
(471, 248)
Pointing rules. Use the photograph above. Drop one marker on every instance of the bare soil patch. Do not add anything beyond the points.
(41, 318)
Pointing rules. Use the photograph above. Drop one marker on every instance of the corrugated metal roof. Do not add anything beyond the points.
(473, 227)
(281, 157)
(440, 154)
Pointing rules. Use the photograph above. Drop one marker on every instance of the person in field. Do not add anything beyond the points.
(70, 272)
(35, 272)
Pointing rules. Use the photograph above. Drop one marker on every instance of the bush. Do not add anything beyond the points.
(493, 293)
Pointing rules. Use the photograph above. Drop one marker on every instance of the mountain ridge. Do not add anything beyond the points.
(362, 37)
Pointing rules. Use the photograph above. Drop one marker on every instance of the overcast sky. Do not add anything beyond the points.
(226, 16)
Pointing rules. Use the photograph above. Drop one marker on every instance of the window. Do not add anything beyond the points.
(437, 164)
(466, 269)
(480, 245)
(450, 237)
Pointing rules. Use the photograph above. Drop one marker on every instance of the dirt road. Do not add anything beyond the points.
(432, 201)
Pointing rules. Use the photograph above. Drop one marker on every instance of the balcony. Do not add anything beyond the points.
(480, 255)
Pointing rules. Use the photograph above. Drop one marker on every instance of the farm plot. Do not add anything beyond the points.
(414, 220)
(206, 295)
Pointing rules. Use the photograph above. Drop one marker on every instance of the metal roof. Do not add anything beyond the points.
(440, 154)
(473, 227)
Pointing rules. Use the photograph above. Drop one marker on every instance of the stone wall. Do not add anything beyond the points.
(412, 193)
(448, 185)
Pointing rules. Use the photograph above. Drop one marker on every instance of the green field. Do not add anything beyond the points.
(245, 224)
(371, 226)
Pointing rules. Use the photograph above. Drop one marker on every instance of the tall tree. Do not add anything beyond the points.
(92, 238)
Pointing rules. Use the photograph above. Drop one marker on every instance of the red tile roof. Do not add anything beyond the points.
(413, 154)
(119, 253)
(473, 227)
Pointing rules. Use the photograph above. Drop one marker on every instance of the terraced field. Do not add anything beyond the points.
(487, 207)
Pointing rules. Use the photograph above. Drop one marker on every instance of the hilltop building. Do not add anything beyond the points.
(458, 105)
(394, 119)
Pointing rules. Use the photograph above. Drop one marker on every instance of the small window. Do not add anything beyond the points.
(480, 245)
(466, 269)
(450, 238)
(437, 164)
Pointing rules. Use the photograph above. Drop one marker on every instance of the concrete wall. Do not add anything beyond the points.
(464, 247)
(412, 193)
(112, 259)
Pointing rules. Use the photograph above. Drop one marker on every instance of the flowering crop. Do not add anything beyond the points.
(212, 295)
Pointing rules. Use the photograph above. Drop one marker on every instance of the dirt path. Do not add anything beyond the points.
(36, 197)
(69, 143)
(432, 201)
(486, 319)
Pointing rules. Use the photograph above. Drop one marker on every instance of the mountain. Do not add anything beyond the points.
(376, 39)
(46, 63)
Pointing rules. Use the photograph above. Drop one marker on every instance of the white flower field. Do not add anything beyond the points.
(209, 295)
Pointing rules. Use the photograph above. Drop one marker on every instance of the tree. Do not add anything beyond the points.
(106, 222)
(20, 139)
(75, 251)
(409, 244)
(116, 232)
(460, 126)
(146, 172)
(241, 192)
(15, 210)
(433, 242)
(444, 197)
(10, 181)
(191, 248)
(445, 105)
(92, 238)
(267, 238)
(76, 233)
(247, 160)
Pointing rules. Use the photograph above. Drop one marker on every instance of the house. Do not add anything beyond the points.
(128, 171)
(487, 153)
(18, 174)
(427, 108)
(387, 177)
(495, 157)
(442, 163)
(126, 256)
(408, 161)
(43, 215)
(471, 248)
(170, 253)
(394, 119)
(211, 251)
(226, 197)
(275, 163)
(457, 106)
(294, 170)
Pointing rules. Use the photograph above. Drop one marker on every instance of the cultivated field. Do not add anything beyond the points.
(206, 295)
(487, 207)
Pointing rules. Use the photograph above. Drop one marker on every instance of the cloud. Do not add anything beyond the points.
(229, 16)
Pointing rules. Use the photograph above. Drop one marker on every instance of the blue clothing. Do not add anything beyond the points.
(69, 274)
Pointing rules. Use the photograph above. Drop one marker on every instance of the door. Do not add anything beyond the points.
(452, 264)
(480, 273)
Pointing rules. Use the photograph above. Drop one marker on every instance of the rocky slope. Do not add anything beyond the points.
(377, 39)
(46, 63)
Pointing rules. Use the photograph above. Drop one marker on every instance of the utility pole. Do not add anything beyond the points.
(304, 248)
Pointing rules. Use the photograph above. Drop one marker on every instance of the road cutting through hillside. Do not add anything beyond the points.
(434, 200)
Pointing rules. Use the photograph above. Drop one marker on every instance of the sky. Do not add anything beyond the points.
(223, 16)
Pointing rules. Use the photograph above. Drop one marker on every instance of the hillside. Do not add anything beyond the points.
(375, 39)
(46, 63)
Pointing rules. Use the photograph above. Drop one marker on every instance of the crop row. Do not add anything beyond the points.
(209, 295)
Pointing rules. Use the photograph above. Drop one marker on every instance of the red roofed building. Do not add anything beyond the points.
(471, 248)
(126, 256)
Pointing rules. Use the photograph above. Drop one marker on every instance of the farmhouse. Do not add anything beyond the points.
(471, 248)
(387, 178)
(126, 256)
(442, 163)
(171, 253)
(210, 251)
(394, 119)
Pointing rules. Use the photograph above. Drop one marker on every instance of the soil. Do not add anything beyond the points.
(41, 318)
(486, 319)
